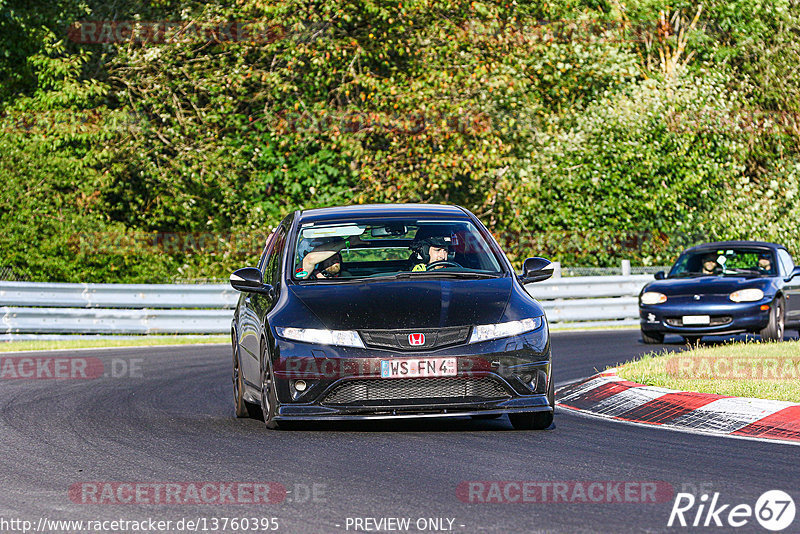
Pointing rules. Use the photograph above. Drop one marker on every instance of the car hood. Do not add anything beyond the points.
(706, 285)
(405, 304)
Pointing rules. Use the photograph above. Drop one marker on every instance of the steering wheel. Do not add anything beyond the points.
(443, 263)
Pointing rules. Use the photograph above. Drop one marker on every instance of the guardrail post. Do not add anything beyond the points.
(626, 267)
(556, 269)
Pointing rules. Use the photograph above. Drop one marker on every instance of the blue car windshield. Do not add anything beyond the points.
(392, 248)
(725, 262)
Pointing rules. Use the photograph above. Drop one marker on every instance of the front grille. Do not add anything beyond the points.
(716, 320)
(435, 338)
(393, 389)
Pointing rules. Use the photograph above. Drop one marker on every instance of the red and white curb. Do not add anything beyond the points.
(608, 395)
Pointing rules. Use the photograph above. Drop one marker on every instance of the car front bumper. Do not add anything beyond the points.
(290, 412)
(344, 383)
(726, 317)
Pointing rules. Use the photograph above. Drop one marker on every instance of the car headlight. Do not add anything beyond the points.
(651, 297)
(747, 295)
(345, 338)
(485, 332)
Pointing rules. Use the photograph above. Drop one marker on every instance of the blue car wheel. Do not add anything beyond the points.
(777, 318)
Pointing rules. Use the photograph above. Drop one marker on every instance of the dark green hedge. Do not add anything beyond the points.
(587, 131)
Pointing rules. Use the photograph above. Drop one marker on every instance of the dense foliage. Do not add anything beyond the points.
(588, 131)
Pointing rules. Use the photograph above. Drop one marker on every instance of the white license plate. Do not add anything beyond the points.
(418, 367)
(696, 319)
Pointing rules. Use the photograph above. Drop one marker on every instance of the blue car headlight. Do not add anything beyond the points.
(747, 295)
(485, 332)
(653, 297)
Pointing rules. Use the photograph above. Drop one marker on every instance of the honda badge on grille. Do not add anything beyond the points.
(416, 339)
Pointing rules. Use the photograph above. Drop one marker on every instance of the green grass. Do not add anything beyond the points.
(751, 369)
(81, 342)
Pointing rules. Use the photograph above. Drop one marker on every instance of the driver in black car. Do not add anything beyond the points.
(430, 251)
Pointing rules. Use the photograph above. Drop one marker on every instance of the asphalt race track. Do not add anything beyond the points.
(168, 417)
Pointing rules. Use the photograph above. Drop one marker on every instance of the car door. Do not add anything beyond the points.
(261, 303)
(791, 290)
(248, 323)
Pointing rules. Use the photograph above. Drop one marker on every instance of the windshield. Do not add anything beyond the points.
(725, 262)
(392, 248)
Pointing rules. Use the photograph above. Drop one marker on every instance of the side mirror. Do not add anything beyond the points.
(660, 275)
(248, 280)
(795, 272)
(536, 270)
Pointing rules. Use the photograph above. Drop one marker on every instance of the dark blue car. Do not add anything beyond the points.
(720, 288)
(389, 311)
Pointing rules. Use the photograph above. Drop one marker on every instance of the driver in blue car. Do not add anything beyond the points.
(430, 251)
(764, 264)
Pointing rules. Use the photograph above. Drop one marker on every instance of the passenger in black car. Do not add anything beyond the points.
(325, 261)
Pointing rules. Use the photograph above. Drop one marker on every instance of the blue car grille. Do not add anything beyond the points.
(716, 320)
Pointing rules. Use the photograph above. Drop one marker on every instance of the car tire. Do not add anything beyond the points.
(241, 407)
(652, 338)
(776, 327)
(535, 420)
(692, 340)
(269, 401)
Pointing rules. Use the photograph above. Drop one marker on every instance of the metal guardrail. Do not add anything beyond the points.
(43, 308)
(590, 300)
(37, 294)
(114, 321)
(39, 308)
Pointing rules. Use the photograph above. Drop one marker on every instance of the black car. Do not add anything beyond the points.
(388, 312)
(720, 288)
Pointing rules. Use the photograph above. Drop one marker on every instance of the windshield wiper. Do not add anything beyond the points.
(436, 274)
(457, 274)
(332, 281)
(743, 272)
